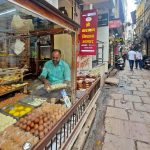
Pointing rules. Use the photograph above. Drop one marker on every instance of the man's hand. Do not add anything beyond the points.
(47, 86)
(68, 83)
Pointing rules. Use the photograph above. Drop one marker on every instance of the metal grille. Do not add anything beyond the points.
(63, 131)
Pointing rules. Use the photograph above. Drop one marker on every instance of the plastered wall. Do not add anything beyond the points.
(64, 43)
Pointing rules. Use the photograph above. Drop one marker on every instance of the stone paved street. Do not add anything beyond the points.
(122, 120)
(127, 119)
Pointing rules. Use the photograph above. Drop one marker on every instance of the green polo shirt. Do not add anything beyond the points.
(56, 74)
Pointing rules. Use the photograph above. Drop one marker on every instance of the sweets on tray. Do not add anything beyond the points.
(17, 109)
(13, 138)
(12, 100)
(38, 123)
(6, 79)
(42, 119)
(56, 110)
(34, 101)
(18, 85)
(6, 88)
(57, 86)
(6, 121)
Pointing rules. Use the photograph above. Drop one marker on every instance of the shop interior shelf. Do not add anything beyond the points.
(13, 90)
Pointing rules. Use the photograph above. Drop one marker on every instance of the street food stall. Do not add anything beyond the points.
(29, 30)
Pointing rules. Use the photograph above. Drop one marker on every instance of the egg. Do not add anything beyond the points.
(45, 124)
(28, 122)
(45, 119)
(21, 120)
(20, 125)
(36, 120)
(41, 128)
(32, 131)
(41, 134)
(17, 123)
(36, 132)
(24, 121)
(32, 125)
(41, 122)
(41, 117)
(45, 130)
(36, 126)
(28, 128)
(24, 126)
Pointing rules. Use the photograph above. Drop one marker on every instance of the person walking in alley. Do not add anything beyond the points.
(124, 56)
(138, 61)
(131, 57)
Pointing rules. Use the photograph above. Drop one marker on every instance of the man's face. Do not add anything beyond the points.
(55, 58)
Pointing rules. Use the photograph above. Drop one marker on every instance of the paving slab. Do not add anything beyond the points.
(138, 116)
(116, 113)
(143, 146)
(137, 82)
(139, 93)
(143, 89)
(142, 107)
(117, 96)
(128, 129)
(113, 142)
(131, 88)
(124, 104)
(132, 98)
(111, 102)
(147, 86)
(137, 85)
(146, 100)
(135, 77)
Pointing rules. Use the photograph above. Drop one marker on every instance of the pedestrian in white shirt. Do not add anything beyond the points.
(138, 61)
(131, 57)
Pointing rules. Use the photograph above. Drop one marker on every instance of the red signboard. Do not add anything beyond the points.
(88, 34)
(115, 24)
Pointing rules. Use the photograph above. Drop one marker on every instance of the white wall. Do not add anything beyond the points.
(64, 43)
(103, 35)
(53, 2)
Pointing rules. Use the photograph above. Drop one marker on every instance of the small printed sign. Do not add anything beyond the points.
(65, 98)
(27, 146)
(103, 20)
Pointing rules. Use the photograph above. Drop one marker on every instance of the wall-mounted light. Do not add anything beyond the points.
(7, 11)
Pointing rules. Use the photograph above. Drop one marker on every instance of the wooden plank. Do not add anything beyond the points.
(81, 139)
(48, 31)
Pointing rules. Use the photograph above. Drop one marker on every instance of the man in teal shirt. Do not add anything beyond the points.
(56, 70)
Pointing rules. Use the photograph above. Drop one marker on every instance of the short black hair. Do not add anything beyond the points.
(56, 50)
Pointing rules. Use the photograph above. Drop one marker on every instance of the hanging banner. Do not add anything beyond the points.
(88, 34)
(116, 23)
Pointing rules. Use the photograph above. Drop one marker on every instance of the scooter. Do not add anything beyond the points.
(146, 63)
(120, 64)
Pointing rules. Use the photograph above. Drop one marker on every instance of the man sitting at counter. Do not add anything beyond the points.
(55, 71)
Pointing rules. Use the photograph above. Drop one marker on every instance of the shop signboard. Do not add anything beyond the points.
(88, 34)
(103, 20)
(116, 23)
(119, 40)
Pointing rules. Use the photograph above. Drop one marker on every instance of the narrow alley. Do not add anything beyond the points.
(126, 124)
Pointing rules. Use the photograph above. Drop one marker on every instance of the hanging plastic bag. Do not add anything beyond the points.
(19, 47)
(17, 22)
